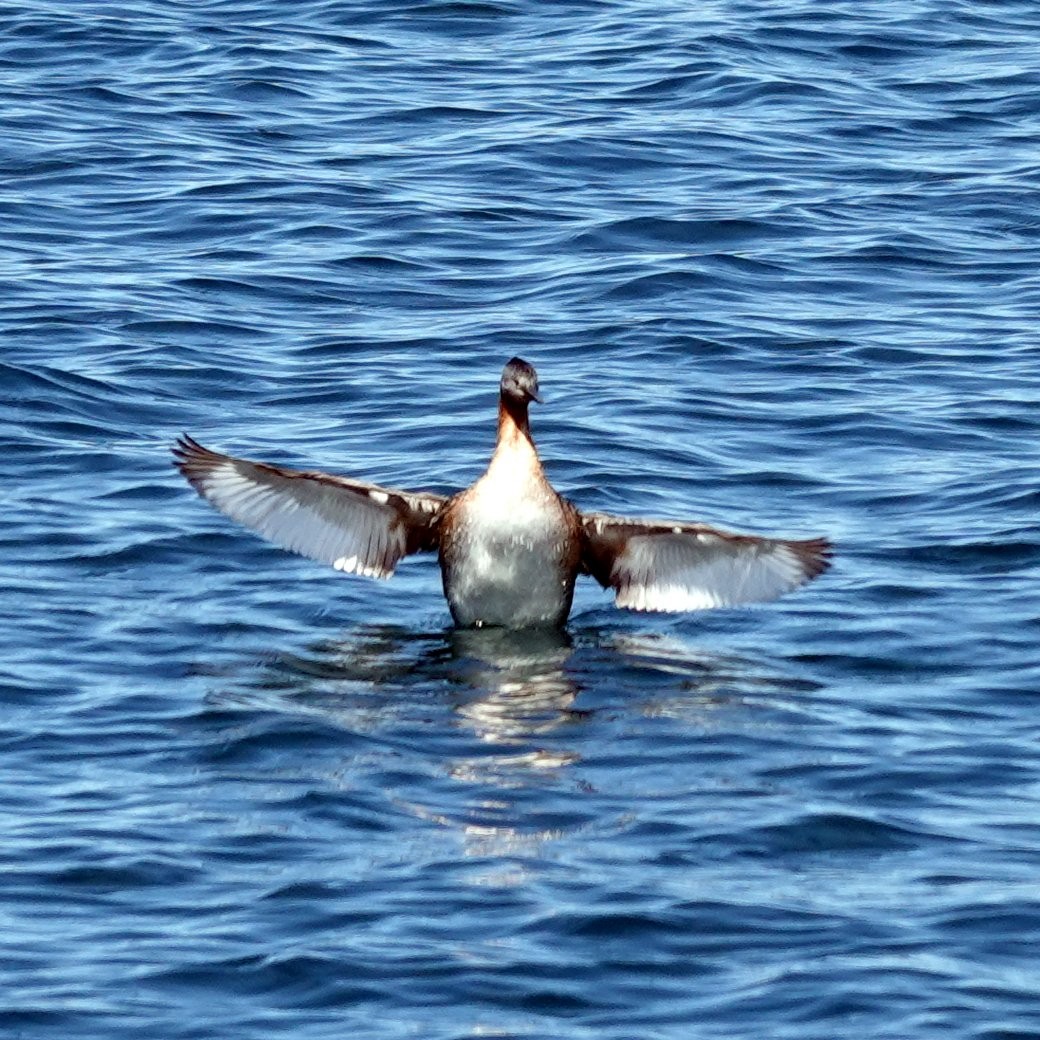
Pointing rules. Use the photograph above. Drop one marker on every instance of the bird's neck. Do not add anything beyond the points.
(514, 448)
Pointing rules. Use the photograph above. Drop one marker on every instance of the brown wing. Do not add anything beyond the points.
(349, 524)
(662, 565)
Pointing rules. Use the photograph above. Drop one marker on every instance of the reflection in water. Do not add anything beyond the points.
(525, 706)
(511, 689)
(519, 682)
(507, 687)
(666, 676)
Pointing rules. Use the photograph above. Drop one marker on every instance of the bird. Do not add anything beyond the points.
(510, 547)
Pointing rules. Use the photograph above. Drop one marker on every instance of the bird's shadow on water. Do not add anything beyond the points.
(524, 695)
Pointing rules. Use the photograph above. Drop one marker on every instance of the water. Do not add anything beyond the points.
(776, 264)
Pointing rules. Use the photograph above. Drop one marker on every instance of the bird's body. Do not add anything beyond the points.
(510, 547)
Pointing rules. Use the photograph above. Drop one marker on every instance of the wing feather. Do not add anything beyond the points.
(354, 526)
(668, 566)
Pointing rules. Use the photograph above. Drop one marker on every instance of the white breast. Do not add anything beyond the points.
(504, 562)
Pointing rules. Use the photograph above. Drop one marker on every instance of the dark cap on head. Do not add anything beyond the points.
(520, 381)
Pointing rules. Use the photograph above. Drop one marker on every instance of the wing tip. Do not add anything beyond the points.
(194, 461)
(814, 556)
(186, 445)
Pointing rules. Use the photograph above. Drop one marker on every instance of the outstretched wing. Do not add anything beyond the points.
(349, 524)
(662, 565)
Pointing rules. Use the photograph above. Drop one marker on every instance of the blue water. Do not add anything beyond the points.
(777, 265)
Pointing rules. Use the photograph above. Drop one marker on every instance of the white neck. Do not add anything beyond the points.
(515, 455)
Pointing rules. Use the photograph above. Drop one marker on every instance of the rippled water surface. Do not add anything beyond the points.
(777, 265)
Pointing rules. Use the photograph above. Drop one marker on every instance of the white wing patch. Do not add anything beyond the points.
(695, 572)
(659, 565)
(355, 527)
